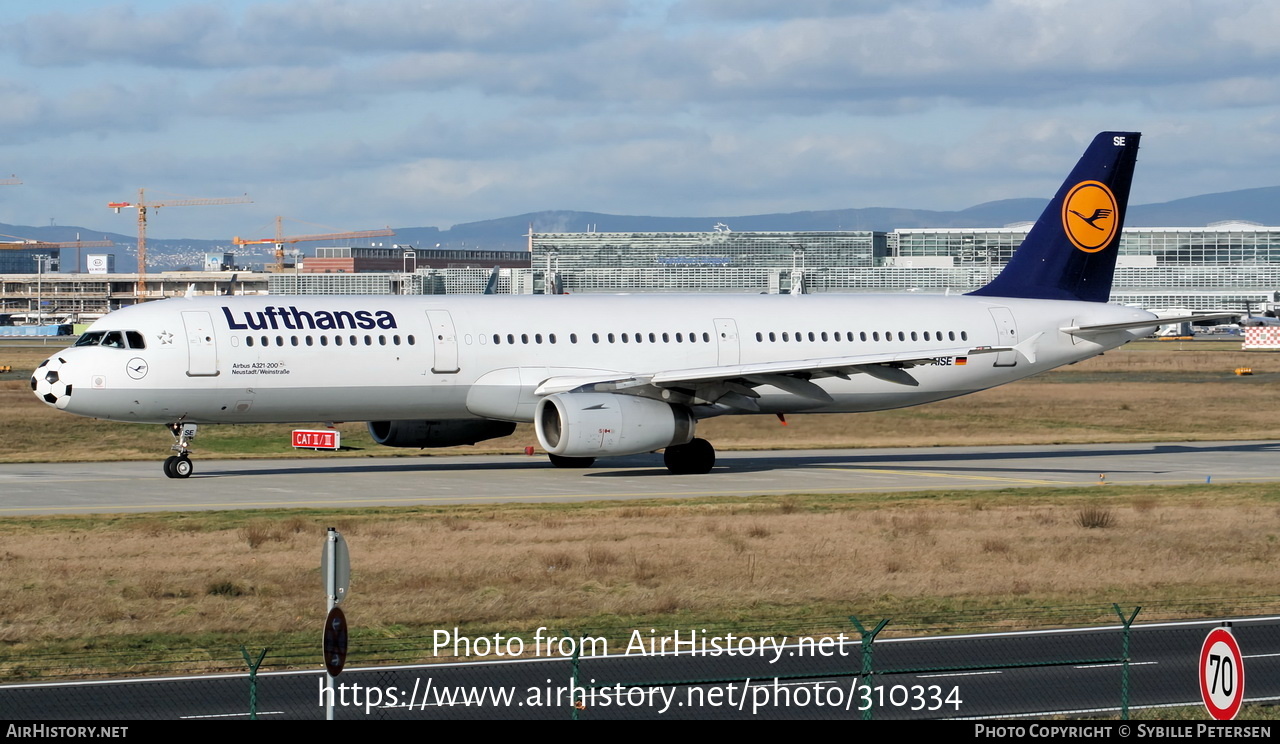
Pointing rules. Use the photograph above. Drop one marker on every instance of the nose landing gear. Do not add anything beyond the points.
(180, 465)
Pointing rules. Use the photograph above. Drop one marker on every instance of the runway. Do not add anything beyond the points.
(319, 482)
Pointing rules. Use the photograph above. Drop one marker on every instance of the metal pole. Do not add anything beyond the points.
(868, 642)
(331, 589)
(253, 680)
(1124, 655)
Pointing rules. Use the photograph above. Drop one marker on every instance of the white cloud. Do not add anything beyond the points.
(468, 110)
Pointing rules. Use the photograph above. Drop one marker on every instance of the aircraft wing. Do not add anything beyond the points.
(733, 385)
(1152, 323)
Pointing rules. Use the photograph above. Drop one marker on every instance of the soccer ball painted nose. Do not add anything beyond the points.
(50, 382)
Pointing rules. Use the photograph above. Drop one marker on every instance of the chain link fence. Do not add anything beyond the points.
(966, 665)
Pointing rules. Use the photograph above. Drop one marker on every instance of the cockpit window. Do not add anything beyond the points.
(113, 339)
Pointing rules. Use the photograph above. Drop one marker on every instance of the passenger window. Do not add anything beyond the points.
(248, 341)
(324, 340)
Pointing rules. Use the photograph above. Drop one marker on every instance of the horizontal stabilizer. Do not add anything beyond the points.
(1093, 330)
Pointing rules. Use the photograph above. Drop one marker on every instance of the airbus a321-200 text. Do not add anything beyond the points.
(608, 375)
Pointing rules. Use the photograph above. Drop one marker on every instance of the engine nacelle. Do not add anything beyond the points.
(447, 433)
(604, 424)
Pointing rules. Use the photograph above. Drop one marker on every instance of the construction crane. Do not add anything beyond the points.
(280, 240)
(142, 205)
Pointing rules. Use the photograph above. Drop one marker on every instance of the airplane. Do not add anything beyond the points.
(608, 375)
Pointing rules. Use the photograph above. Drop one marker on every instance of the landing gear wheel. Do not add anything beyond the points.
(695, 458)
(182, 467)
(168, 466)
(571, 462)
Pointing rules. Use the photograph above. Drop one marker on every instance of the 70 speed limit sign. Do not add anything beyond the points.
(1221, 674)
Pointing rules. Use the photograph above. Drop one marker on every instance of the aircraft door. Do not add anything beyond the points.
(727, 337)
(202, 346)
(444, 340)
(1006, 335)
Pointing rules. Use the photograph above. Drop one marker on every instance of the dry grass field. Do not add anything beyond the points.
(252, 576)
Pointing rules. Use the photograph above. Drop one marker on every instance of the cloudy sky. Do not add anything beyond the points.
(355, 114)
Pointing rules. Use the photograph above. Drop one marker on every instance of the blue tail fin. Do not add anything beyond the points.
(1070, 253)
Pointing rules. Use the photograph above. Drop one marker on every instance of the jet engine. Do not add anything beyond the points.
(603, 424)
(447, 433)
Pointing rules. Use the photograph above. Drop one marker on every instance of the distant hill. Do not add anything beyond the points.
(1260, 205)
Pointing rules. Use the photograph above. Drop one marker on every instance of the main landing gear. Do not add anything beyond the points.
(180, 465)
(695, 458)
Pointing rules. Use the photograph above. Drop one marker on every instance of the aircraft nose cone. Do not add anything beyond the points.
(51, 383)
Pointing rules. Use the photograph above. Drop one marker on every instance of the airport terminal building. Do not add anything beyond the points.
(1222, 265)
(1225, 265)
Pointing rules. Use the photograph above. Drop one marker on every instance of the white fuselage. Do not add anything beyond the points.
(374, 358)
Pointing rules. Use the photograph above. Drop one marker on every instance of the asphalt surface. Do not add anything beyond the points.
(316, 481)
(1033, 674)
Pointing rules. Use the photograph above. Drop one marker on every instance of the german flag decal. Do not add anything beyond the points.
(1089, 216)
(961, 361)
